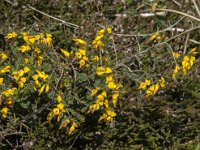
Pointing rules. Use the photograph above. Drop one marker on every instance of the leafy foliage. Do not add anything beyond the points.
(112, 79)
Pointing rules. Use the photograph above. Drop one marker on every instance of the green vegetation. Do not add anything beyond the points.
(95, 74)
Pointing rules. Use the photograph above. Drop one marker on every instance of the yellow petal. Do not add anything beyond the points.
(41, 90)
(59, 99)
(108, 70)
(47, 88)
(65, 53)
(100, 71)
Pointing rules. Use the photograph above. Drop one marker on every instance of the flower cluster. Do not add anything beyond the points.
(152, 89)
(156, 37)
(6, 101)
(187, 63)
(58, 112)
(71, 128)
(102, 98)
(5, 70)
(81, 53)
(97, 42)
(19, 76)
(11, 35)
(3, 56)
(40, 80)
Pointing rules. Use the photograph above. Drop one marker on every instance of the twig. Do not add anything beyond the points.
(196, 7)
(194, 41)
(71, 25)
(171, 52)
(145, 15)
(177, 3)
(148, 49)
(181, 13)
(186, 43)
(160, 31)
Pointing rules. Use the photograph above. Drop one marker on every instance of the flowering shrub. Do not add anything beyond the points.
(133, 84)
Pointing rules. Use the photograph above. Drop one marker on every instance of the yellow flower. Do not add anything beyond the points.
(4, 112)
(72, 128)
(153, 37)
(37, 50)
(81, 63)
(26, 69)
(100, 97)
(106, 104)
(115, 98)
(119, 85)
(103, 117)
(109, 78)
(93, 108)
(108, 70)
(101, 32)
(50, 116)
(100, 71)
(82, 51)
(187, 63)
(9, 92)
(85, 58)
(144, 84)
(176, 70)
(47, 40)
(42, 75)
(111, 113)
(94, 91)
(111, 85)
(191, 62)
(65, 53)
(59, 116)
(78, 55)
(41, 90)
(35, 77)
(5, 70)
(108, 116)
(148, 82)
(40, 60)
(4, 56)
(9, 101)
(24, 48)
(61, 106)
(109, 30)
(56, 111)
(11, 35)
(193, 51)
(21, 82)
(59, 99)
(47, 88)
(104, 94)
(31, 40)
(1, 81)
(95, 58)
(152, 90)
(80, 43)
(37, 84)
(162, 82)
(97, 43)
